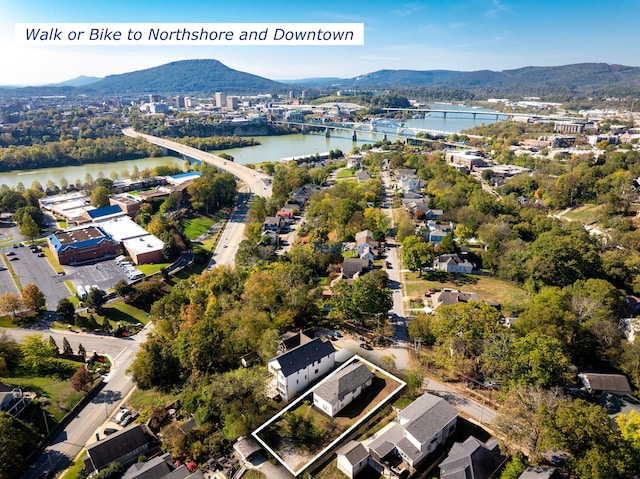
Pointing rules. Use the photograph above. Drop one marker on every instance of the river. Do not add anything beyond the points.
(271, 148)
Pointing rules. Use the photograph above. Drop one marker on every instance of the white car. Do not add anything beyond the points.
(122, 414)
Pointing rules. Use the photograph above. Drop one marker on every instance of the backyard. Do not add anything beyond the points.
(297, 449)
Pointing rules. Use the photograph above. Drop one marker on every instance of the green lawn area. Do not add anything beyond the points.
(152, 268)
(124, 313)
(192, 228)
(57, 390)
(512, 297)
(586, 214)
(346, 173)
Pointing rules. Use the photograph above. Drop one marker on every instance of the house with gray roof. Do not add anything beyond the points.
(353, 268)
(301, 366)
(419, 429)
(352, 458)
(472, 459)
(341, 388)
(452, 263)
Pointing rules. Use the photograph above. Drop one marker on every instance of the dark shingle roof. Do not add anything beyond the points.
(115, 446)
(343, 382)
(304, 355)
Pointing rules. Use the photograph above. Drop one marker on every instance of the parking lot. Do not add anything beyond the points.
(30, 268)
(103, 274)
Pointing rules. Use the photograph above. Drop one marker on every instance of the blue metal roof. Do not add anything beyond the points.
(104, 211)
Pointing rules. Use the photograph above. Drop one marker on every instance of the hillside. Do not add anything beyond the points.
(583, 77)
(185, 77)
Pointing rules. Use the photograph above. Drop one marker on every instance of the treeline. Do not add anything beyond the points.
(217, 142)
(204, 128)
(76, 152)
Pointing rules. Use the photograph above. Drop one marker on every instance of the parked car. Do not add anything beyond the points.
(40, 255)
(129, 419)
(11, 253)
(366, 346)
(122, 415)
(110, 430)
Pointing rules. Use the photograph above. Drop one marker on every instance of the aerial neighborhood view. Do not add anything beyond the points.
(400, 269)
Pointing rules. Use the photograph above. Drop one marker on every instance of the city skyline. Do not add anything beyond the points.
(464, 35)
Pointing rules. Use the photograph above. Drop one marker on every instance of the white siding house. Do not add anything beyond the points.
(352, 458)
(421, 427)
(337, 391)
(299, 367)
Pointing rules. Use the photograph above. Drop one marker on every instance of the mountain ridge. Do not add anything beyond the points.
(207, 76)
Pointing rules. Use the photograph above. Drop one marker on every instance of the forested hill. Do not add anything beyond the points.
(186, 77)
(576, 78)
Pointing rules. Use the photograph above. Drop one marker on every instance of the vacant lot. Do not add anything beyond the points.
(586, 214)
(512, 297)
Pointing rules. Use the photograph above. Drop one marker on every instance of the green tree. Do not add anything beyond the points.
(584, 431)
(65, 311)
(37, 351)
(461, 330)
(95, 299)
(155, 366)
(417, 254)
(100, 196)
(17, 442)
(122, 288)
(538, 359)
(29, 228)
(67, 351)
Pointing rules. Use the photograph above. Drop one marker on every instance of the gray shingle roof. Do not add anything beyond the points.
(472, 458)
(304, 355)
(426, 416)
(354, 451)
(343, 382)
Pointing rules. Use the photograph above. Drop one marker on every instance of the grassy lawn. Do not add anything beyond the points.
(145, 401)
(59, 392)
(152, 268)
(192, 228)
(586, 214)
(512, 297)
(121, 312)
(346, 173)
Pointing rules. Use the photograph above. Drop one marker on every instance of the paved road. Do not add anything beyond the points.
(255, 183)
(66, 445)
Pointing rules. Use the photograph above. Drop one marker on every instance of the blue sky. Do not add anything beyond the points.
(417, 35)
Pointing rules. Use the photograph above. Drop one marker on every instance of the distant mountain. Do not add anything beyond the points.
(185, 77)
(205, 77)
(580, 77)
(82, 80)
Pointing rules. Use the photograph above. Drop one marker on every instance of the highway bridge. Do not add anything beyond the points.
(495, 114)
(409, 134)
(257, 183)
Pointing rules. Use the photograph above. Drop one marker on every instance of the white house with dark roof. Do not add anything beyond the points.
(418, 430)
(299, 367)
(352, 458)
(339, 390)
